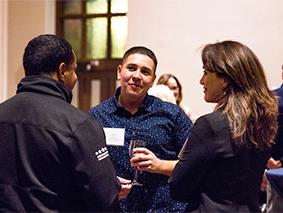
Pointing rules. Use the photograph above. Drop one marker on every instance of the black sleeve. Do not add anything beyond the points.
(183, 126)
(93, 168)
(194, 159)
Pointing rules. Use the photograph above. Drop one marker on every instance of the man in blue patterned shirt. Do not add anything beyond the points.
(162, 125)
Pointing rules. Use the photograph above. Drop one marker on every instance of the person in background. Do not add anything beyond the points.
(174, 84)
(276, 159)
(277, 148)
(163, 92)
(221, 165)
(53, 156)
(133, 114)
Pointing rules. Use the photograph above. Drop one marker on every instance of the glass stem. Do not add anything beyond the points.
(136, 175)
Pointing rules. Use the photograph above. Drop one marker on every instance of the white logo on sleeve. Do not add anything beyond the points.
(101, 153)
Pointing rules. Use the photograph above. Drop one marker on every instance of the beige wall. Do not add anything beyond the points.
(174, 29)
(26, 19)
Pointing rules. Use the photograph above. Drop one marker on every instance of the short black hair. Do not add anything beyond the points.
(44, 53)
(141, 50)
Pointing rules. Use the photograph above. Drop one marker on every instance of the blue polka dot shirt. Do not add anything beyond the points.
(164, 127)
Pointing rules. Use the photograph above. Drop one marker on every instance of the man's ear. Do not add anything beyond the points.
(154, 77)
(60, 72)
(119, 69)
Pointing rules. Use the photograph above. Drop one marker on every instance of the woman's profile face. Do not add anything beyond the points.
(213, 86)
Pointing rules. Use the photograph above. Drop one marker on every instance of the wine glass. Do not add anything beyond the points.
(135, 144)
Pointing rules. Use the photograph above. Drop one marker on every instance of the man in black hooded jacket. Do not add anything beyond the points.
(53, 156)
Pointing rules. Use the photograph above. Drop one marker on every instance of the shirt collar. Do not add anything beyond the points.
(148, 100)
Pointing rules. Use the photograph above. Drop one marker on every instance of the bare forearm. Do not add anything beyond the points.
(145, 160)
(166, 167)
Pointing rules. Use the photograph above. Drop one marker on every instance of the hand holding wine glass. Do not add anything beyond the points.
(135, 144)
